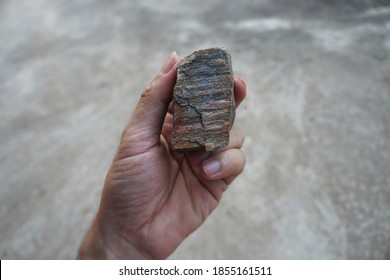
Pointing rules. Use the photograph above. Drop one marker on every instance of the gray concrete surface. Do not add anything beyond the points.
(317, 120)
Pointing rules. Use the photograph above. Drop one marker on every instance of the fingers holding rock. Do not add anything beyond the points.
(239, 90)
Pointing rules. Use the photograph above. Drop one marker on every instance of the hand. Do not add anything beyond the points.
(154, 197)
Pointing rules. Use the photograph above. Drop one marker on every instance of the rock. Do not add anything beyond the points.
(203, 101)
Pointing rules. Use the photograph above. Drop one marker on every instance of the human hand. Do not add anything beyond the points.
(154, 197)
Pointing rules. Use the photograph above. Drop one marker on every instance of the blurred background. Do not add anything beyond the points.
(317, 120)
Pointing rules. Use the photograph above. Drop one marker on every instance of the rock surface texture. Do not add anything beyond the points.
(203, 101)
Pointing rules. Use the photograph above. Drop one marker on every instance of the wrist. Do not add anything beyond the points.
(103, 243)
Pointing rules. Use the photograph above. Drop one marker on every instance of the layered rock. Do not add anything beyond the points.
(203, 101)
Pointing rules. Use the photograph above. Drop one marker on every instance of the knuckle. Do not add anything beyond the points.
(149, 89)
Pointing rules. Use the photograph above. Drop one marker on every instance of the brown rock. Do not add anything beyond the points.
(203, 101)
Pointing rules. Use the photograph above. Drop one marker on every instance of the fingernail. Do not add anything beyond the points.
(211, 167)
(169, 63)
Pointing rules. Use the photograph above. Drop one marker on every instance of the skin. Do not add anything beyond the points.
(154, 197)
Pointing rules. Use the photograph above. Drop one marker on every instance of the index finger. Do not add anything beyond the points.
(239, 90)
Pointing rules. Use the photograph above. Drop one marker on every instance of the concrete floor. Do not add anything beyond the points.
(317, 120)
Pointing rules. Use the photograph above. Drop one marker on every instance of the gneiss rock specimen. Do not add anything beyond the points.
(203, 101)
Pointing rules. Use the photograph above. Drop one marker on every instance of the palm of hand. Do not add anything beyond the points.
(157, 195)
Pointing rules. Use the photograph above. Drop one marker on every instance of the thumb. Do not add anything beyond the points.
(144, 127)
